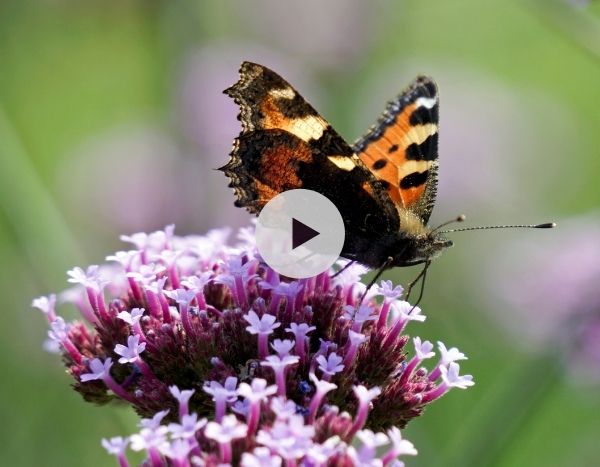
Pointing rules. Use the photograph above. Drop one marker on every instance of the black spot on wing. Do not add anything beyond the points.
(393, 148)
(413, 180)
(296, 107)
(379, 164)
(422, 115)
(427, 150)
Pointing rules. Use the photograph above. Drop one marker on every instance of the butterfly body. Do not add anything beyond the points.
(384, 185)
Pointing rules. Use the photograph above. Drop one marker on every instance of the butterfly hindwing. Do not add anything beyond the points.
(285, 144)
(401, 148)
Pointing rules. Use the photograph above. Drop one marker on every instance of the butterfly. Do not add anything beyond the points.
(384, 185)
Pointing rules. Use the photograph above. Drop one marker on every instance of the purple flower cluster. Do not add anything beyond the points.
(230, 363)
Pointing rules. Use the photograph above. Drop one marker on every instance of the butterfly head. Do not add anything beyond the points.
(419, 249)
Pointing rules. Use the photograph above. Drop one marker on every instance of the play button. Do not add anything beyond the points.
(300, 233)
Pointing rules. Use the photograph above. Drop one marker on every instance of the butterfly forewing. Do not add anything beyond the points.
(285, 144)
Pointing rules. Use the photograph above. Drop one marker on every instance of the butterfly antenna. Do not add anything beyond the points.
(460, 218)
(546, 225)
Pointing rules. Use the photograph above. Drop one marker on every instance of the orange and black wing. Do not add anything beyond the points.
(285, 144)
(402, 148)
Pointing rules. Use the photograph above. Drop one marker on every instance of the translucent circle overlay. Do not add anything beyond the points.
(274, 233)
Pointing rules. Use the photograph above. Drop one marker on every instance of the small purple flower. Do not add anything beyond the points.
(46, 305)
(99, 370)
(139, 239)
(94, 284)
(146, 273)
(178, 451)
(260, 457)
(224, 433)
(400, 447)
(117, 446)
(390, 294)
(88, 278)
(450, 379)
(291, 291)
(388, 290)
(181, 296)
(423, 349)
(366, 454)
(355, 339)
(364, 396)
(257, 390)
(124, 258)
(59, 334)
(183, 398)
(282, 347)
(279, 365)
(187, 428)
(59, 330)
(262, 326)
(283, 407)
(290, 438)
(222, 394)
(300, 332)
(255, 393)
(447, 356)
(155, 421)
(331, 365)
(151, 440)
(131, 352)
(359, 317)
(131, 317)
(322, 387)
(401, 313)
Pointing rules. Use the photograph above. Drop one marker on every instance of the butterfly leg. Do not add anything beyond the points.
(422, 276)
(343, 269)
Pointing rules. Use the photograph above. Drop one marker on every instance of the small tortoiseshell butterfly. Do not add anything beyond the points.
(384, 185)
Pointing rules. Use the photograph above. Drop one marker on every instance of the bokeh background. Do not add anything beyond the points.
(112, 121)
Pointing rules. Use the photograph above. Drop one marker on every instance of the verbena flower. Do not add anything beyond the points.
(227, 362)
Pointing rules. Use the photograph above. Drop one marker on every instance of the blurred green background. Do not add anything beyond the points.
(112, 119)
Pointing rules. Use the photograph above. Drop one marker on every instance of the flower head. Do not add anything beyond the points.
(228, 362)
